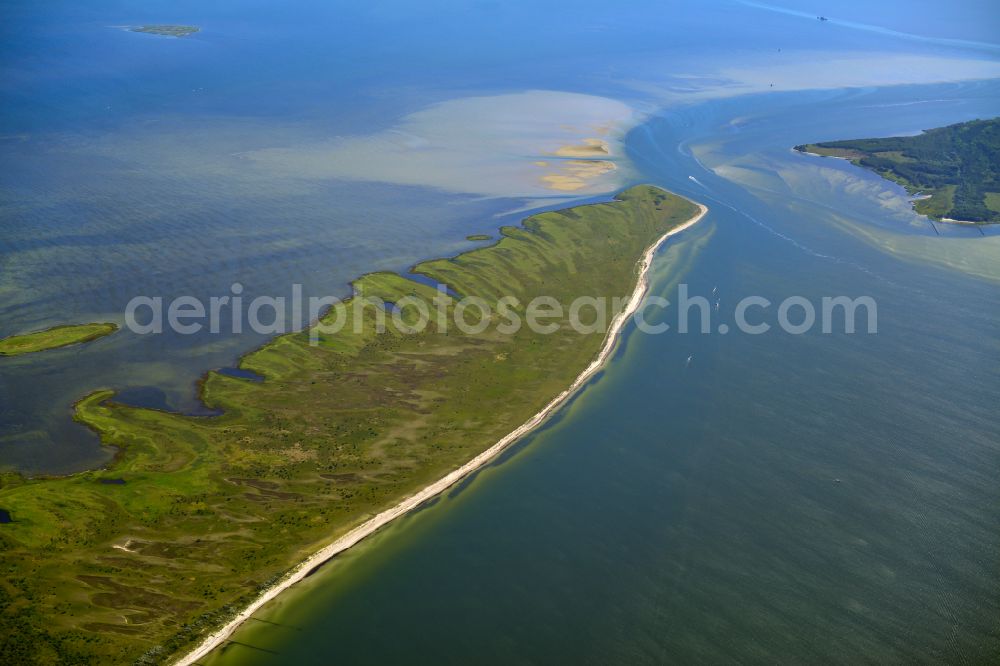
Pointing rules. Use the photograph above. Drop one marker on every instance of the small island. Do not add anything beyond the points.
(479, 237)
(955, 170)
(55, 337)
(166, 30)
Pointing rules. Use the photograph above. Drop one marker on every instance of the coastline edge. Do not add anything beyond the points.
(353, 537)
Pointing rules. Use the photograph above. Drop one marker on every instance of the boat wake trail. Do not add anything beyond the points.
(867, 27)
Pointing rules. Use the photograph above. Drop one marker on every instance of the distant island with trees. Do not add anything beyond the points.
(956, 167)
(166, 30)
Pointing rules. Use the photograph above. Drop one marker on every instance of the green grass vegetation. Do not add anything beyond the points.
(479, 237)
(53, 338)
(167, 30)
(957, 165)
(993, 201)
(198, 514)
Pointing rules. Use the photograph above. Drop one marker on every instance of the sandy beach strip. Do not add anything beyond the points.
(370, 526)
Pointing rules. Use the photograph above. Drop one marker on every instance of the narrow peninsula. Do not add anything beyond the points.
(207, 518)
(54, 338)
(953, 170)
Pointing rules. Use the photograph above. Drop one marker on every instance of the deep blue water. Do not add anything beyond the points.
(709, 498)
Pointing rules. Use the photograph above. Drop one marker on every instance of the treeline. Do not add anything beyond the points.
(966, 156)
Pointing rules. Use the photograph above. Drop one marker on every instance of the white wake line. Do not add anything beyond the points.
(410, 503)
